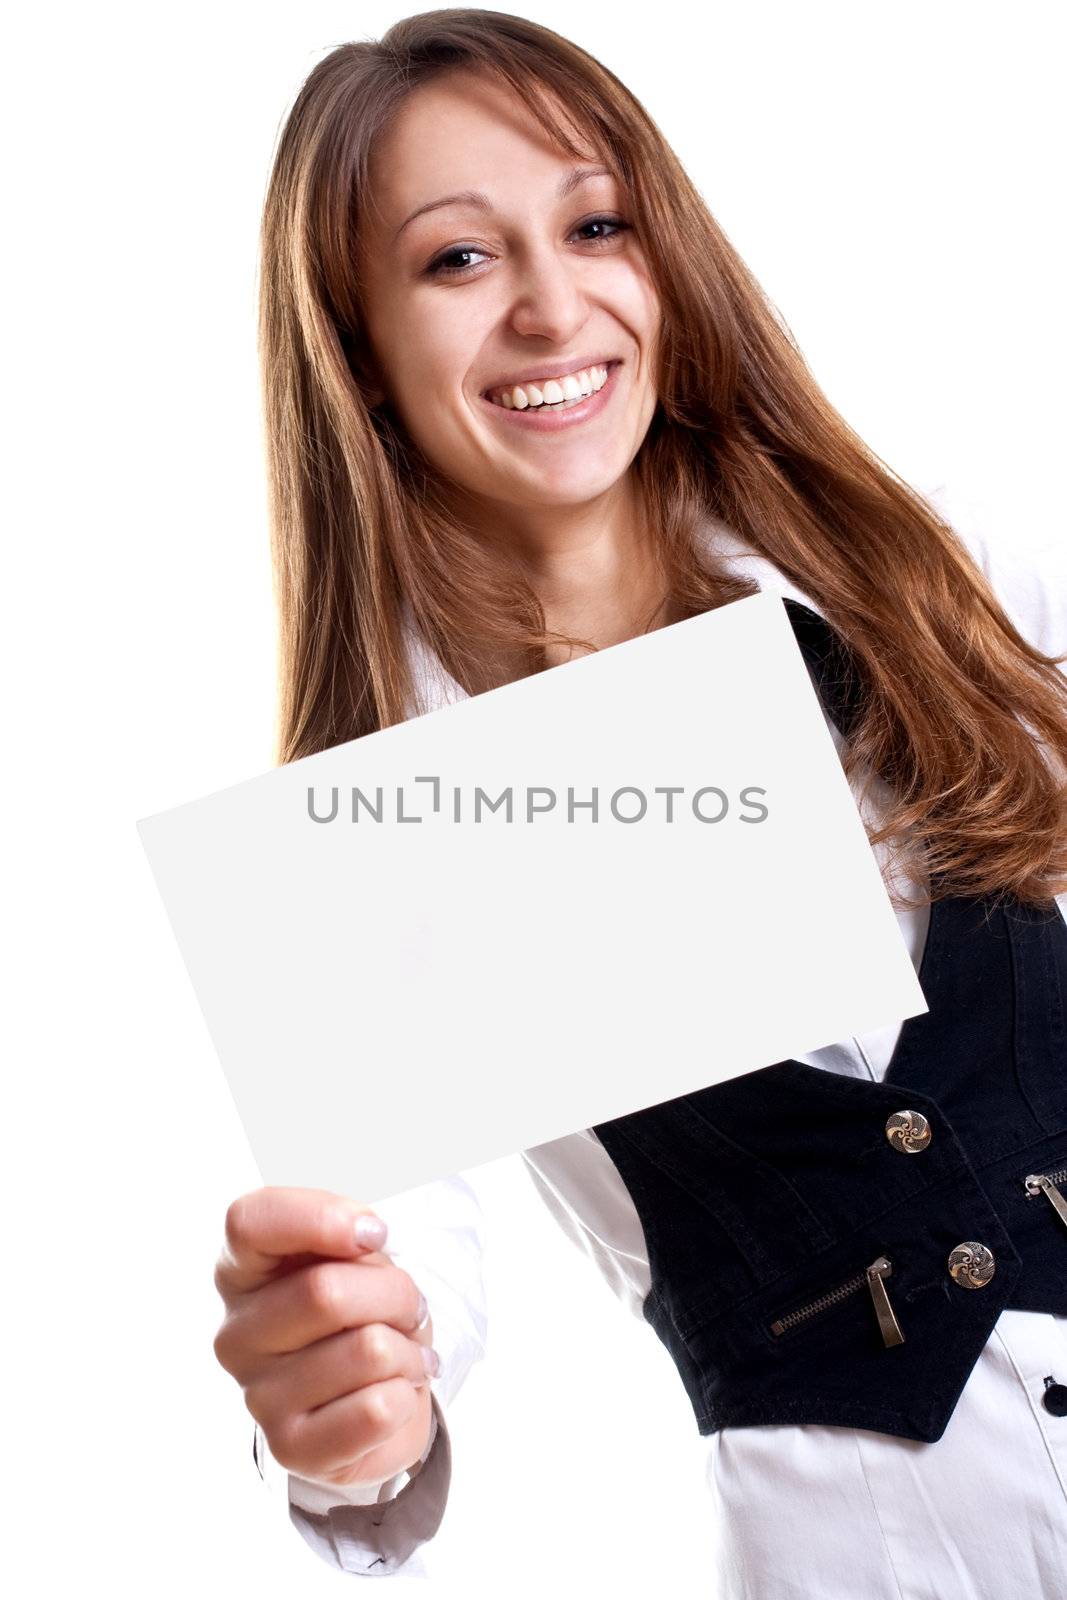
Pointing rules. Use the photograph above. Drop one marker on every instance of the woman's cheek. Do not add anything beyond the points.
(437, 435)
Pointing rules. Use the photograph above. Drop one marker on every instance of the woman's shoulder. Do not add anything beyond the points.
(431, 685)
(1027, 572)
(733, 554)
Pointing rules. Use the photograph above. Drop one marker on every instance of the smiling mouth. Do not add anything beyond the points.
(554, 394)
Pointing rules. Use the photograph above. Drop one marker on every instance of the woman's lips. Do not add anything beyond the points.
(553, 418)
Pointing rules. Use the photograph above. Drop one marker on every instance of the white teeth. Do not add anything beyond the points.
(571, 387)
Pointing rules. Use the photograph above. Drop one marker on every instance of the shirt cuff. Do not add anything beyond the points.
(383, 1539)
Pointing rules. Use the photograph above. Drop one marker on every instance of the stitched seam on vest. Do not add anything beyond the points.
(839, 1087)
(1022, 1001)
(774, 1411)
(726, 1213)
(1054, 988)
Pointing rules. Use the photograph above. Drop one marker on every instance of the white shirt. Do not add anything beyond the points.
(823, 1513)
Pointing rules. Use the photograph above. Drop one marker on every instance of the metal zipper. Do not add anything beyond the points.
(1045, 1183)
(874, 1278)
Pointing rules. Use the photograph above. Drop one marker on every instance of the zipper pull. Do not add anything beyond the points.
(1041, 1183)
(887, 1322)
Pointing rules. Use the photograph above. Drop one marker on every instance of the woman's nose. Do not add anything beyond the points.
(548, 296)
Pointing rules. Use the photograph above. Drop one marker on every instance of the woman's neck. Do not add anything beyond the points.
(594, 569)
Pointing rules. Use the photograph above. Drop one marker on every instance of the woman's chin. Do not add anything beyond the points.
(560, 487)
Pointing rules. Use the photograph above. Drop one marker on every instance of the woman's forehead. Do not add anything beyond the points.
(450, 135)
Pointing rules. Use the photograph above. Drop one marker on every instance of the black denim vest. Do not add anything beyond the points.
(828, 1249)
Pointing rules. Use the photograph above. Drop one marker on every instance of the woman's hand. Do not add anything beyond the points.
(322, 1333)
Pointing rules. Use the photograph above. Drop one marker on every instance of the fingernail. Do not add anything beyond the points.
(370, 1231)
(430, 1360)
(423, 1311)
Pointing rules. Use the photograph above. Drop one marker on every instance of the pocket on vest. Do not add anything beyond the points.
(868, 1285)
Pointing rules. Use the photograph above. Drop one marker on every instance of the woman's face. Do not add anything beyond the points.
(538, 279)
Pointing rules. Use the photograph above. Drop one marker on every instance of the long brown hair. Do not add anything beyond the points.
(965, 719)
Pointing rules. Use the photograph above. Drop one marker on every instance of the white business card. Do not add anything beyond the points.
(595, 889)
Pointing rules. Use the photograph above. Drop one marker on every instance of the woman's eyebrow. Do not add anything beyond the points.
(474, 197)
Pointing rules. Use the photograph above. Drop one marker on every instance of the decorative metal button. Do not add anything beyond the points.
(972, 1264)
(908, 1130)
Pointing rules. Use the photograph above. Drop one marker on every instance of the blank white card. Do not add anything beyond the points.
(548, 905)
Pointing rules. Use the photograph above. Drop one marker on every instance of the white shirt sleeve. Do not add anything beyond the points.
(436, 1233)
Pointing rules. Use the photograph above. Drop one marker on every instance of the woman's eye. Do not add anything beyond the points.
(615, 223)
(446, 265)
(439, 268)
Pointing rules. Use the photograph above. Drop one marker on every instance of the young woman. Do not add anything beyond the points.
(523, 400)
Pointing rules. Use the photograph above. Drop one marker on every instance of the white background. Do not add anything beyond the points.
(891, 174)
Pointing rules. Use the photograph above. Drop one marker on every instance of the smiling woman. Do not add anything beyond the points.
(524, 399)
(476, 206)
